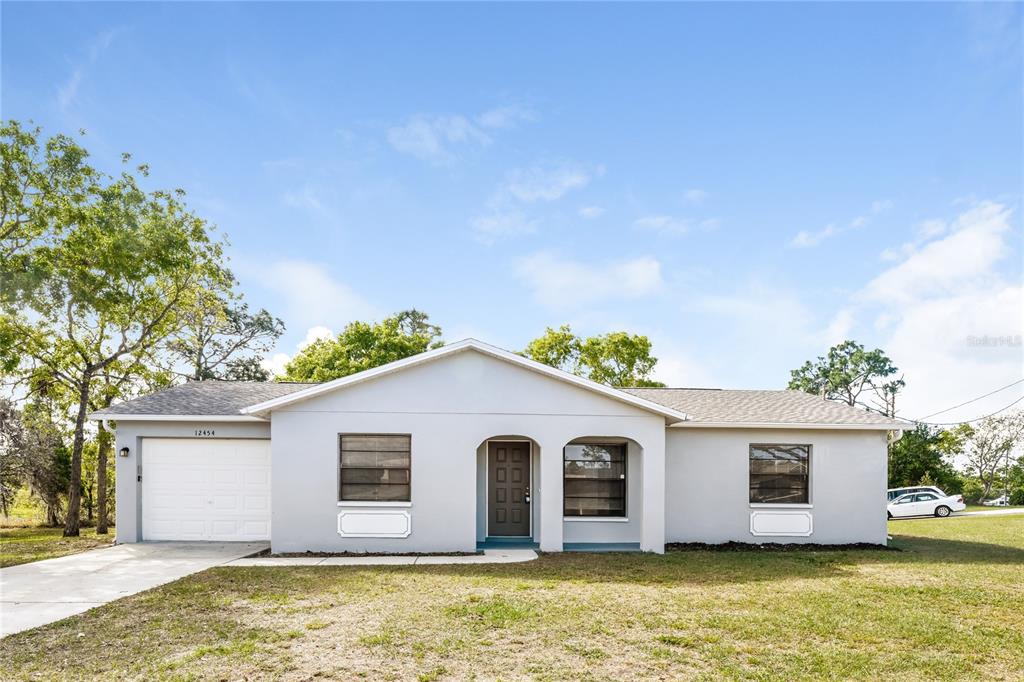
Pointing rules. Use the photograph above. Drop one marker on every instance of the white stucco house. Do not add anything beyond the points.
(470, 445)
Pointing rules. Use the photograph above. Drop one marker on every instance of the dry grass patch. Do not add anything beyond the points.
(22, 545)
(947, 607)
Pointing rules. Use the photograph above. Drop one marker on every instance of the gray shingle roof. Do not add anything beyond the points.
(206, 398)
(714, 405)
(707, 405)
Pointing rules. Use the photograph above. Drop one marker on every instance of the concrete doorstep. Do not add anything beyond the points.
(490, 556)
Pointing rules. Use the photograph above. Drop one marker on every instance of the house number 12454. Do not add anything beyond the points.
(204, 432)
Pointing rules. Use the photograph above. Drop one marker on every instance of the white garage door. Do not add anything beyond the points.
(205, 489)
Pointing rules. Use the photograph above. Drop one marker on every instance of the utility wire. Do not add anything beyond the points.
(968, 421)
(972, 400)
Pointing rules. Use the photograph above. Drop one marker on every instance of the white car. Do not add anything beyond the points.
(893, 493)
(925, 504)
(1001, 501)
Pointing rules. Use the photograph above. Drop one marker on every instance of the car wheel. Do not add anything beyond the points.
(888, 514)
(942, 511)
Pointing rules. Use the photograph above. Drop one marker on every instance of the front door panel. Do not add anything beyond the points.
(508, 489)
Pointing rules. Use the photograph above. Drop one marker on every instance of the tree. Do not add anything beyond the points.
(917, 455)
(615, 359)
(12, 448)
(221, 339)
(121, 380)
(986, 447)
(849, 373)
(363, 345)
(113, 270)
(39, 457)
(559, 348)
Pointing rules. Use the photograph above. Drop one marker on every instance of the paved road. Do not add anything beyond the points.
(42, 592)
(990, 512)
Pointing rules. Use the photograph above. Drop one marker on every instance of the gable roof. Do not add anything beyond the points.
(723, 407)
(681, 407)
(200, 399)
(264, 408)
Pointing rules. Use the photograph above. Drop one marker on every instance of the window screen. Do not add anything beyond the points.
(594, 480)
(780, 473)
(374, 468)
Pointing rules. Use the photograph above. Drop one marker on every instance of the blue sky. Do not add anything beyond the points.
(746, 184)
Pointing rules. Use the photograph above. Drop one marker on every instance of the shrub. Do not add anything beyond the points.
(972, 492)
(1017, 496)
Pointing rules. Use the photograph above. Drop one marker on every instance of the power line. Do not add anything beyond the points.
(974, 400)
(969, 421)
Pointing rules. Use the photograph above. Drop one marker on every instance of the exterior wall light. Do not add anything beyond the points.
(124, 452)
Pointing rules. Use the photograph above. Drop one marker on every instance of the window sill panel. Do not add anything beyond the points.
(352, 503)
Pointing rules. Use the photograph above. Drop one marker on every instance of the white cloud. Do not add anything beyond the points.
(591, 212)
(505, 117)
(838, 330)
(316, 334)
(925, 231)
(881, 205)
(435, 138)
(561, 283)
(545, 183)
(676, 365)
(312, 298)
(756, 308)
(807, 238)
(671, 225)
(67, 92)
(804, 238)
(439, 138)
(695, 196)
(663, 224)
(947, 317)
(305, 198)
(499, 224)
(276, 362)
(505, 215)
(945, 266)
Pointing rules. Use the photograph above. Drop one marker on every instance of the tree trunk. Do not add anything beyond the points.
(101, 479)
(71, 526)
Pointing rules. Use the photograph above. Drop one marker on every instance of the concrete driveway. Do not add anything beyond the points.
(46, 591)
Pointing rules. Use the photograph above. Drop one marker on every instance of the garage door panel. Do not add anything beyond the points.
(205, 489)
(256, 503)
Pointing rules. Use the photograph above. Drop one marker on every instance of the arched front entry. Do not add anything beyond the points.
(507, 509)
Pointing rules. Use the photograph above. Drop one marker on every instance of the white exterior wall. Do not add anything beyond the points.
(450, 407)
(133, 434)
(707, 485)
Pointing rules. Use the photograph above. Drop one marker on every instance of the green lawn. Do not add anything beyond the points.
(981, 507)
(22, 545)
(948, 606)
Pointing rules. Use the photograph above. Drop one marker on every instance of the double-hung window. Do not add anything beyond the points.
(594, 482)
(780, 474)
(374, 468)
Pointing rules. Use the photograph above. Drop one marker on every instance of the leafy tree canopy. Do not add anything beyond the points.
(986, 447)
(96, 271)
(918, 456)
(364, 345)
(851, 374)
(221, 339)
(615, 359)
